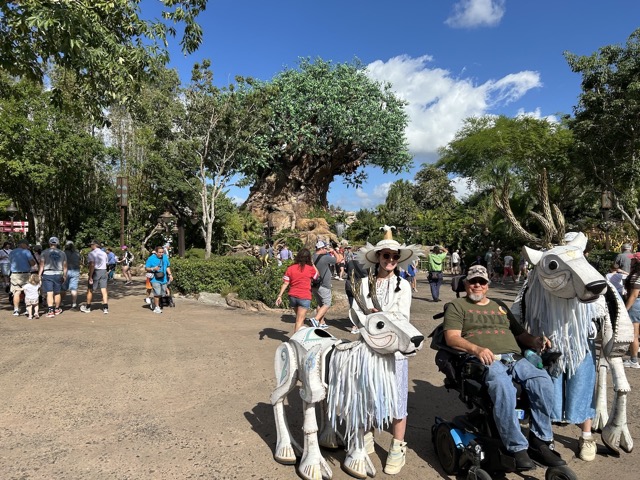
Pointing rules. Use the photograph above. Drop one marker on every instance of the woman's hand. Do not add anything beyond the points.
(278, 300)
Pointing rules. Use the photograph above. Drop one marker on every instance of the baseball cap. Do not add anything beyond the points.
(54, 241)
(123, 247)
(320, 244)
(69, 242)
(477, 271)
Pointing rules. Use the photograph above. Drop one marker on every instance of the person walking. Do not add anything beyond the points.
(455, 262)
(632, 286)
(298, 278)
(508, 269)
(112, 261)
(384, 260)
(127, 260)
(73, 273)
(435, 264)
(22, 261)
(5, 265)
(322, 293)
(159, 265)
(32, 296)
(97, 260)
(53, 272)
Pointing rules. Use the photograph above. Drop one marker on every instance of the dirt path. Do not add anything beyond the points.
(185, 394)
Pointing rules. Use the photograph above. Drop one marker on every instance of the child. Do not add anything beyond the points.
(32, 296)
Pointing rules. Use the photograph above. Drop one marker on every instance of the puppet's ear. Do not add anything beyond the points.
(533, 256)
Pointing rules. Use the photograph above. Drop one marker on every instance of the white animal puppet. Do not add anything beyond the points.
(563, 298)
(354, 382)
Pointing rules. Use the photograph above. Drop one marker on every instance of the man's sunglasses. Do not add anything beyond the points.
(387, 256)
(480, 281)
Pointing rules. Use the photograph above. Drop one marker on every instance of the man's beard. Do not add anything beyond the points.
(475, 297)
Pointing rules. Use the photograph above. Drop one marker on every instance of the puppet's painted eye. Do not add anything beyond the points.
(553, 265)
(380, 325)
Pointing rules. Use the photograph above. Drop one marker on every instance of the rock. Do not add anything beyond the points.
(212, 299)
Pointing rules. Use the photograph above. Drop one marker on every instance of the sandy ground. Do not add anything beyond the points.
(185, 395)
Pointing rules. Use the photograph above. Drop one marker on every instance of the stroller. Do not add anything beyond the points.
(471, 442)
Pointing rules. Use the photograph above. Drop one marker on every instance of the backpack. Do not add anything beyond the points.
(457, 284)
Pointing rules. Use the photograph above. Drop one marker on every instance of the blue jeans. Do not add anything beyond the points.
(574, 396)
(435, 280)
(537, 383)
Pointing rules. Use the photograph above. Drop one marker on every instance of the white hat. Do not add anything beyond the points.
(368, 255)
(320, 244)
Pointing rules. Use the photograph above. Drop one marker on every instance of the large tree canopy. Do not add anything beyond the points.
(607, 121)
(519, 156)
(106, 44)
(327, 120)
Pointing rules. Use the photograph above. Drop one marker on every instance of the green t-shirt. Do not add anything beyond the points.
(492, 326)
(435, 261)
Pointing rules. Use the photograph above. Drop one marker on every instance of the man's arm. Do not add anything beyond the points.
(535, 343)
(455, 340)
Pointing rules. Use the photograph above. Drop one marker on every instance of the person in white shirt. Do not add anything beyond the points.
(5, 265)
(508, 269)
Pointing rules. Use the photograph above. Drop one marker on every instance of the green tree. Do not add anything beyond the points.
(607, 122)
(519, 156)
(106, 44)
(221, 138)
(327, 120)
(365, 228)
(433, 189)
(400, 209)
(55, 170)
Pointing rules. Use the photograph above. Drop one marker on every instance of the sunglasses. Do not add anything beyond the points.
(388, 256)
(480, 281)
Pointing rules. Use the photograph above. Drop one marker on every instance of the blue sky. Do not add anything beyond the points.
(449, 59)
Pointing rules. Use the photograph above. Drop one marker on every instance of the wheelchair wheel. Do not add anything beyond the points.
(560, 473)
(448, 453)
(478, 474)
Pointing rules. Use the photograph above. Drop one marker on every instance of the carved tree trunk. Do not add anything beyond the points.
(282, 197)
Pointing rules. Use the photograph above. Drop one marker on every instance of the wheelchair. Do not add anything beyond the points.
(470, 443)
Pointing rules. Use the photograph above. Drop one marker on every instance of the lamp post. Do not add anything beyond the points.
(11, 211)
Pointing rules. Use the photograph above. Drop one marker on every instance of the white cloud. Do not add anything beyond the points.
(439, 102)
(464, 187)
(476, 13)
(368, 197)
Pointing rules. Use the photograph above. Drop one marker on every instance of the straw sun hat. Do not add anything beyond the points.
(367, 255)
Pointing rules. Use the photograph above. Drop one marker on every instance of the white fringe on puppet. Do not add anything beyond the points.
(567, 300)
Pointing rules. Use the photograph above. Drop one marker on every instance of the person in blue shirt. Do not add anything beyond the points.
(112, 260)
(21, 261)
(158, 264)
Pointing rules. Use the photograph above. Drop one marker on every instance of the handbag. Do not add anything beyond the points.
(159, 275)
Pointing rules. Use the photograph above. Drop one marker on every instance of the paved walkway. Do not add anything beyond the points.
(185, 394)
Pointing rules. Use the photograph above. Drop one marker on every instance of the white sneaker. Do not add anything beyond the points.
(626, 363)
(84, 309)
(105, 310)
(147, 300)
(587, 448)
(157, 310)
(16, 313)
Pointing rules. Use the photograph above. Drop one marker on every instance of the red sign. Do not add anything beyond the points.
(18, 226)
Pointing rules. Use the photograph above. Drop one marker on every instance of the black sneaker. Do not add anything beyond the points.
(544, 452)
(523, 462)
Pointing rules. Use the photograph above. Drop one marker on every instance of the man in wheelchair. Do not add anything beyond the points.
(488, 330)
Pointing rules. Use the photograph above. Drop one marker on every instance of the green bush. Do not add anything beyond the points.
(241, 274)
(601, 260)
